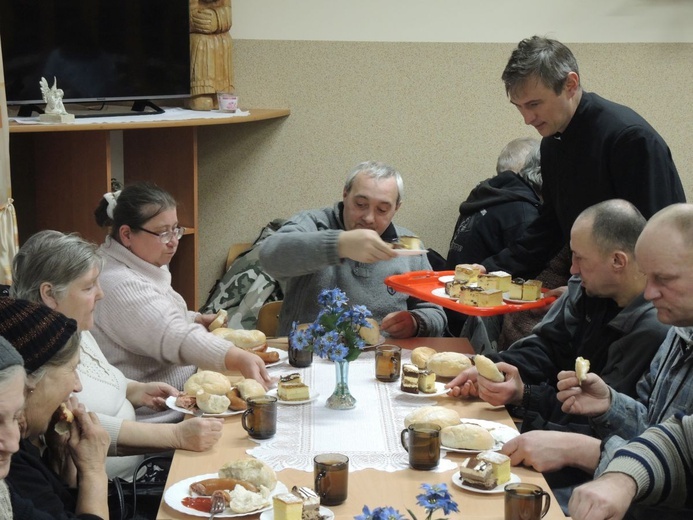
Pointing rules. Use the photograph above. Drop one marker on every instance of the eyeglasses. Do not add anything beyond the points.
(166, 236)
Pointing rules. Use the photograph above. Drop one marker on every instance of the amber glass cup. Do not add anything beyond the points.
(526, 502)
(331, 472)
(260, 419)
(387, 362)
(422, 441)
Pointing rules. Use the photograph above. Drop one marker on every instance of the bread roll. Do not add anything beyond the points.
(582, 367)
(448, 364)
(219, 321)
(370, 335)
(421, 355)
(467, 436)
(207, 381)
(65, 419)
(212, 403)
(488, 369)
(250, 388)
(245, 339)
(251, 470)
(443, 417)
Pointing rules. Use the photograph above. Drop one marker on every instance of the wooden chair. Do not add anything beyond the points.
(235, 251)
(268, 318)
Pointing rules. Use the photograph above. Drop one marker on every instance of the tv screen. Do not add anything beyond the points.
(99, 50)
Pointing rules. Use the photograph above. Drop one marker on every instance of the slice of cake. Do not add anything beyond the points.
(500, 464)
(454, 288)
(495, 280)
(466, 273)
(478, 297)
(287, 506)
(515, 292)
(427, 381)
(410, 242)
(311, 502)
(410, 378)
(291, 388)
(477, 473)
(525, 290)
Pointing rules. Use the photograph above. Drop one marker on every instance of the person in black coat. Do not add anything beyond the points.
(496, 211)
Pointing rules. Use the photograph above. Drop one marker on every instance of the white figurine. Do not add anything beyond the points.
(55, 110)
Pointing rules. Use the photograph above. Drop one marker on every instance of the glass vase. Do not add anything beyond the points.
(341, 398)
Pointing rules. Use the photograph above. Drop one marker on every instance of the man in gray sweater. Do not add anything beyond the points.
(349, 246)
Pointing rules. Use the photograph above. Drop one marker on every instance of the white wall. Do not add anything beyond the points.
(483, 21)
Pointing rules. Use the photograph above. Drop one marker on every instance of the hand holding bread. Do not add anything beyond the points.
(488, 369)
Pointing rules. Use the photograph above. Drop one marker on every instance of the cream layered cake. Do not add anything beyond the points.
(291, 388)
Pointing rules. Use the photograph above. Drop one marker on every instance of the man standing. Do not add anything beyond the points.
(664, 253)
(592, 150)
(349, 246)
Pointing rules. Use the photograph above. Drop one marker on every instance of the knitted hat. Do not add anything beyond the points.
(8, 355)
(37, 332)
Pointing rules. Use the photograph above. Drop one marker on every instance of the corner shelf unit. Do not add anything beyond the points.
(60, 171)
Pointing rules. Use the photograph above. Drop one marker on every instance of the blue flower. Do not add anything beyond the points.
(434, 497)
(380, 513)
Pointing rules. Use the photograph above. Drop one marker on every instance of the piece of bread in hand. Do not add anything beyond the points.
(488, 369)
(582, 367)
(245, 339)
(65, 419)
(219, 321)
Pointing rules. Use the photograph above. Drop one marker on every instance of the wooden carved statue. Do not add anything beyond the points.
(211, 69)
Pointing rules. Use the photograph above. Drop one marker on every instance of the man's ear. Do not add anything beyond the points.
(572, 83)
(619, 260)
(399, 205)
(46, 292)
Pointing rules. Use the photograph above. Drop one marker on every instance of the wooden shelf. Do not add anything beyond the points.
(60, 171)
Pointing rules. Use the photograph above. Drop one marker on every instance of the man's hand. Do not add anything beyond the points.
(198, 434)
(152, 395)
(399, 324)
(592, 398)
(607, 498)
(552, 450)
(249, 365)
(509, 391)
(364, 245)
(465, 384)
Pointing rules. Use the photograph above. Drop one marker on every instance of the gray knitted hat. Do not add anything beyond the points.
(8, 355)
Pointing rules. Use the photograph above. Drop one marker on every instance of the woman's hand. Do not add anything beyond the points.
(198, 434)
(152, 395)
(249, 365)
(88, 442)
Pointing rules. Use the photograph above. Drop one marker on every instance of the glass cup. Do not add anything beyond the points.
(524, 502)
(300, 358)
(422, 441)
(387, 362)
(260, 419)
(331, 473)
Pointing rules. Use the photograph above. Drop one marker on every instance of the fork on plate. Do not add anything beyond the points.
(218, 504)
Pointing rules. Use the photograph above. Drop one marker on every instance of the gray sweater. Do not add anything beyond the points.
(303, 257)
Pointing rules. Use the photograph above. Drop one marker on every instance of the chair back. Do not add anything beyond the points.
(268, 318)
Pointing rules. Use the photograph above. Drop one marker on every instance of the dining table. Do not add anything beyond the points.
(381, 484)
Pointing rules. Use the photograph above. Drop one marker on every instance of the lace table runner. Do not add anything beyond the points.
(369, 434)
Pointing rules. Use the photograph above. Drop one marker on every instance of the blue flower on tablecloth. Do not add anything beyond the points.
(433, 498)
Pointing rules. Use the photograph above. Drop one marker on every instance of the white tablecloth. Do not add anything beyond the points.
(369, 434)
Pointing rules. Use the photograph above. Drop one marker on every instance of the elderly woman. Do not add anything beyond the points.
(62, 272)
(142, 325)
(49, 345)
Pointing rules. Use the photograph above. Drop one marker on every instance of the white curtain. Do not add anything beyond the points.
(9, 242)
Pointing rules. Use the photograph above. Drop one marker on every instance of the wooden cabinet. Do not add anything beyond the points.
(59, 173)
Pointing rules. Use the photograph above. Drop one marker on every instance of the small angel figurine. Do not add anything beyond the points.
(53, 96)
(55, 110)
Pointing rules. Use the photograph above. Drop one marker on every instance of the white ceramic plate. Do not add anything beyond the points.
(508, 299)
(283, 356)
(171, 403)
(313, 397)
(500, 432)
(326, 514)
(178, 491)
(440, 390)
(457, 480)
(410, 252)
(447, 278)
(440, 291)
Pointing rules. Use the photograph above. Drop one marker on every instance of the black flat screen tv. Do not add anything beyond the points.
(99, 50)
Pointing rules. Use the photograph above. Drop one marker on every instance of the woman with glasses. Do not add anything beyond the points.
(142, 325)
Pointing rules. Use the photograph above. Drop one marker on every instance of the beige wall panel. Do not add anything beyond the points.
(436, 111)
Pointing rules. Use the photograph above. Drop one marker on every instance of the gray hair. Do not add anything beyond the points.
(513, 156)
(616, 225)
(377, 171)
(547, 60)
(52, 257)
(8, 373)
(531, 171)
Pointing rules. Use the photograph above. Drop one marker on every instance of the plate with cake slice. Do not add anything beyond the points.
(325, 514)
(311, 397)
(457, 480)
(440, 390)
(192, 409)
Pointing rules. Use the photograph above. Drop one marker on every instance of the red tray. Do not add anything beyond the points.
(422, 283)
